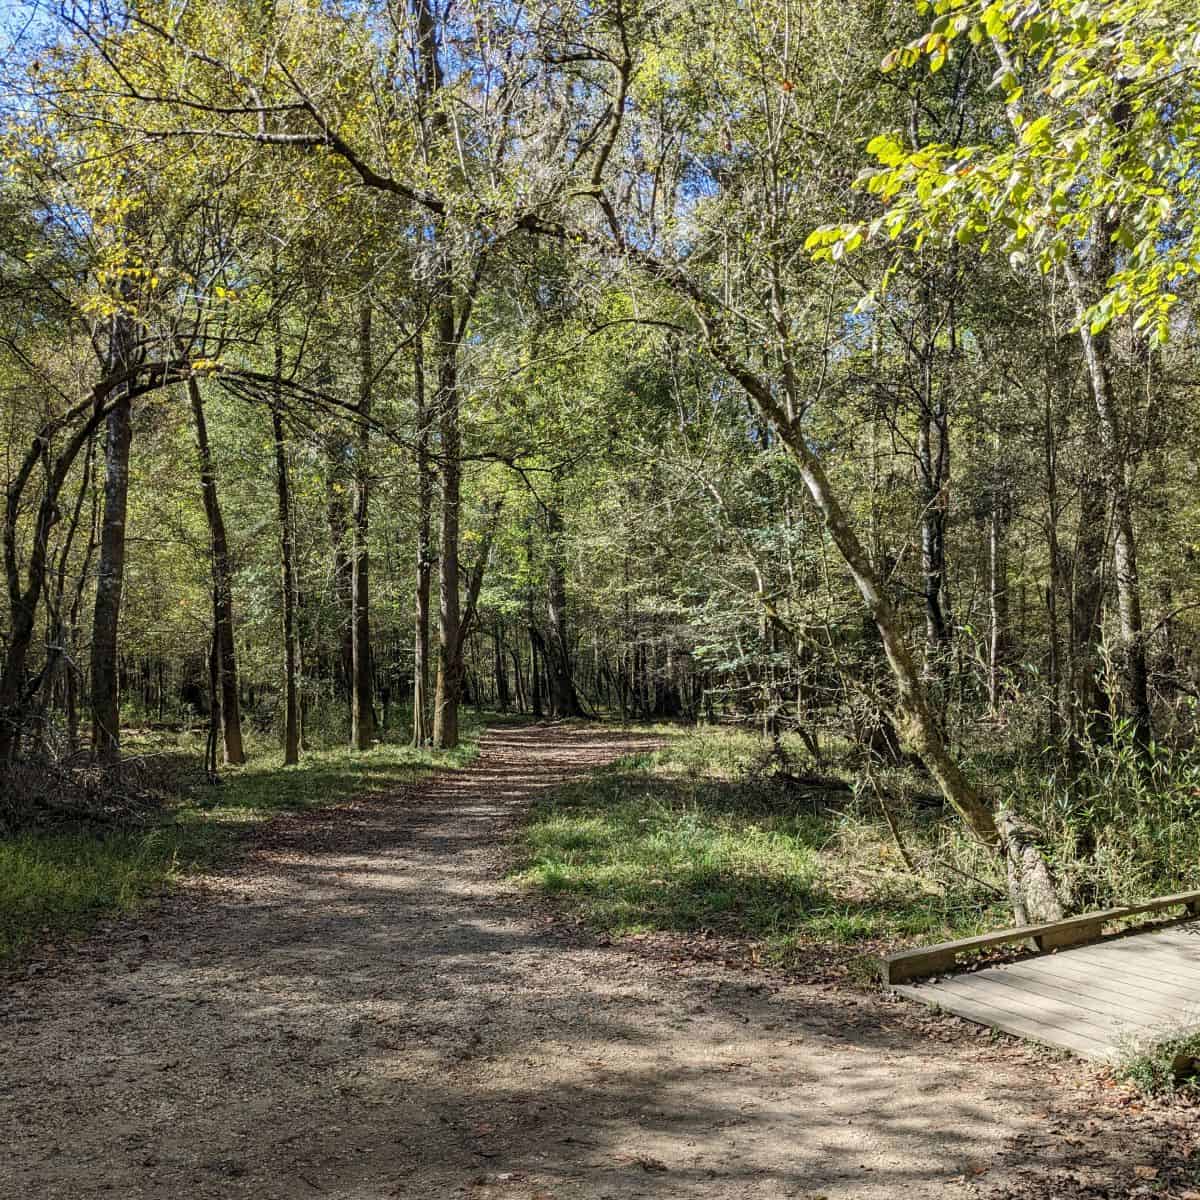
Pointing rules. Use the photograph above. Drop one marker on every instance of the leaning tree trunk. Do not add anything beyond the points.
(110, 576)
(24, 596)
(61, 632)
(362, 710)
(231, 715)
(919, 723)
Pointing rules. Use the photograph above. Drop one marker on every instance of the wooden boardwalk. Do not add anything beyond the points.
(1092, 1000)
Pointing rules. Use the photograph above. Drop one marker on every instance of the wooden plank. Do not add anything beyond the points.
(1025, 1003)
(1183, 939)
(1018, 1024)
(1053, 1010)
(1089, 1000)
(1146, 960)
(1101, 1011)
(1070, 935)
(1113, 980)
(1145, 970)
(905, 965)
(1120, 976)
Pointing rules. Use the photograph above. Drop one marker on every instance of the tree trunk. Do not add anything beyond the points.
(1089, 710)
(933, 467)
(214, 705)
(997, 583)
(1054, 554)
(231, 718)
(422, 729)
(919, 723)
(1097, 354)
(287, 581)
(518, 679)
(503, 699)
(362, 711)
(110, 577)
(449, 665)
(535, 677)
(564, 701)
(338, 519)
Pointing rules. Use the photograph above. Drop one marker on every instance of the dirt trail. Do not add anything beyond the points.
(365, 1009)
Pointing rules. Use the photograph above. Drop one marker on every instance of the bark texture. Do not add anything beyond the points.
(110, 578)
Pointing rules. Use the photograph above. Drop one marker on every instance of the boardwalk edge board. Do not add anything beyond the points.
(923, 961)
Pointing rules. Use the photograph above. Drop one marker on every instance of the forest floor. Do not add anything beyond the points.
(365, 1006)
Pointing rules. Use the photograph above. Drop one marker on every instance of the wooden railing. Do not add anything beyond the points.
(1073, 931)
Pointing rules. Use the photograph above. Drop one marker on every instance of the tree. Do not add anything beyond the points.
(1093, 180)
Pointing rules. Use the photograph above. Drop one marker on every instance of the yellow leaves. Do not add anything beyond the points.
(887, 148)
(205, 366)
(1035, 133)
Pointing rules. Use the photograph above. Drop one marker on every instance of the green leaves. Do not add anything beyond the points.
(1101, 132)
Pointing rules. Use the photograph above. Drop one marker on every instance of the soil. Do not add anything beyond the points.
(365, 1007)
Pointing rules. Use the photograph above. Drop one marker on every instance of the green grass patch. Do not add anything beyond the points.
(695, 837)
(59, 881)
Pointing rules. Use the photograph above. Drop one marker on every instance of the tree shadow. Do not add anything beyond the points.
(364, 1011)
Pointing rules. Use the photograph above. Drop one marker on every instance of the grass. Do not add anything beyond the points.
(59, 882)
(695, 837)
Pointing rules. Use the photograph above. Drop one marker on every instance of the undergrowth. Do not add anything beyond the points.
(1122, 825)
(710, 833)
(697, 836)
(1165, 1066)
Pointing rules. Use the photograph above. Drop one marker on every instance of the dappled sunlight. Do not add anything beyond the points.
(367, 1012)
(685, 840)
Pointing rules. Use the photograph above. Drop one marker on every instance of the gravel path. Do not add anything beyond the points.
(364, 1008)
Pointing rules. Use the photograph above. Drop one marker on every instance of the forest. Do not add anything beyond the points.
(809, 388)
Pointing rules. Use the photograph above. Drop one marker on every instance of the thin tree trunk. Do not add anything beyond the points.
(1054, 553)
(519, 680)
(343, 568)
(1097, 355)
(1087, 597)
(501, 667)
(933, 465)
(564, 701)
(214, 704)
(287, 577)
(422, 726)
(231, 719)
(535, 680)
(997, 582)
(449, 666)
(362, 710)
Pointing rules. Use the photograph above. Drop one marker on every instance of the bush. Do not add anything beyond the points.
(1164, 1067)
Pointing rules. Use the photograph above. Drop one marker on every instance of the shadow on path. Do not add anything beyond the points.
(365, 1009)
